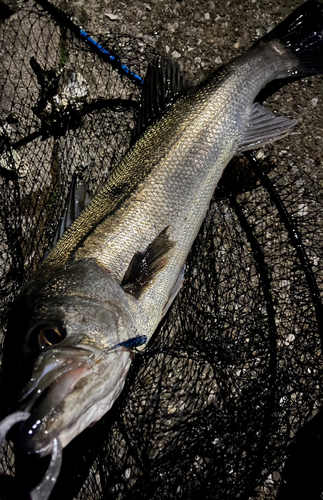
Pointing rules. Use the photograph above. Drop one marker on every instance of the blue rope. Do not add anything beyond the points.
(62, 19)
(111, 58)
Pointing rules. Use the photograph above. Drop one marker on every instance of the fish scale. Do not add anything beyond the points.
(186, 151)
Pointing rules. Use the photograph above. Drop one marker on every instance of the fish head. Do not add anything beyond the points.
(76, 351)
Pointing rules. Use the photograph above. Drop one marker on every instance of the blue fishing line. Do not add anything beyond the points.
(111, 58)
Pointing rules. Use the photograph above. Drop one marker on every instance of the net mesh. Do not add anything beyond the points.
(226, 399)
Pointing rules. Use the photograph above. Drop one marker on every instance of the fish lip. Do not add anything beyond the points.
(48, 418)
(69, 366)
(64, 360)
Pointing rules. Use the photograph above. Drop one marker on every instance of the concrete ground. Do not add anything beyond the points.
(203, 34)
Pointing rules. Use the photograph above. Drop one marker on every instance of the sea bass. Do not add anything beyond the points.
(105, 286)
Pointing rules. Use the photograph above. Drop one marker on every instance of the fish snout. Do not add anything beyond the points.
(66, 396)
(56, 375)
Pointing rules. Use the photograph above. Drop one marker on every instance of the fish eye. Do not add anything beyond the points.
(50, 335)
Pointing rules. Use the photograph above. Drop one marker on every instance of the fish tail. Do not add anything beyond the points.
(302, 34)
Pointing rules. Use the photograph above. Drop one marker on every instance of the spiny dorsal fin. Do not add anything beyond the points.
(164, 83)
(144, 265)
(78, 198)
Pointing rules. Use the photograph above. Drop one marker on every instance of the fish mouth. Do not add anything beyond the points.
(68, 388)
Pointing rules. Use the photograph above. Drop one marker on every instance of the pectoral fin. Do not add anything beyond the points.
(264, 127)
(144, 265)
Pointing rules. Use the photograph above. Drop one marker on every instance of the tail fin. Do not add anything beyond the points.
(302, 33)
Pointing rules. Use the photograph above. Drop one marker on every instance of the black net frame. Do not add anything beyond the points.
(226, 399)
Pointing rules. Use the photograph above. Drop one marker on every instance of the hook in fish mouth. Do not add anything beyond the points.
(43, 490)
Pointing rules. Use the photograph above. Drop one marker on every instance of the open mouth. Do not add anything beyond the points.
(70, 389)
(56, 375)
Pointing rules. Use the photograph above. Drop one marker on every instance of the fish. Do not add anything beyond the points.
(103, 289)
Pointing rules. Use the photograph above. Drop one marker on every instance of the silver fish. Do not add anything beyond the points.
(107, 283)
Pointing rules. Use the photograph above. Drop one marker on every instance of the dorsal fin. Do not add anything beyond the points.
(164, 83)
(78, 198)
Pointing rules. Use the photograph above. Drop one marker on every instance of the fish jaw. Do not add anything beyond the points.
(70, 389)
(70, 381)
